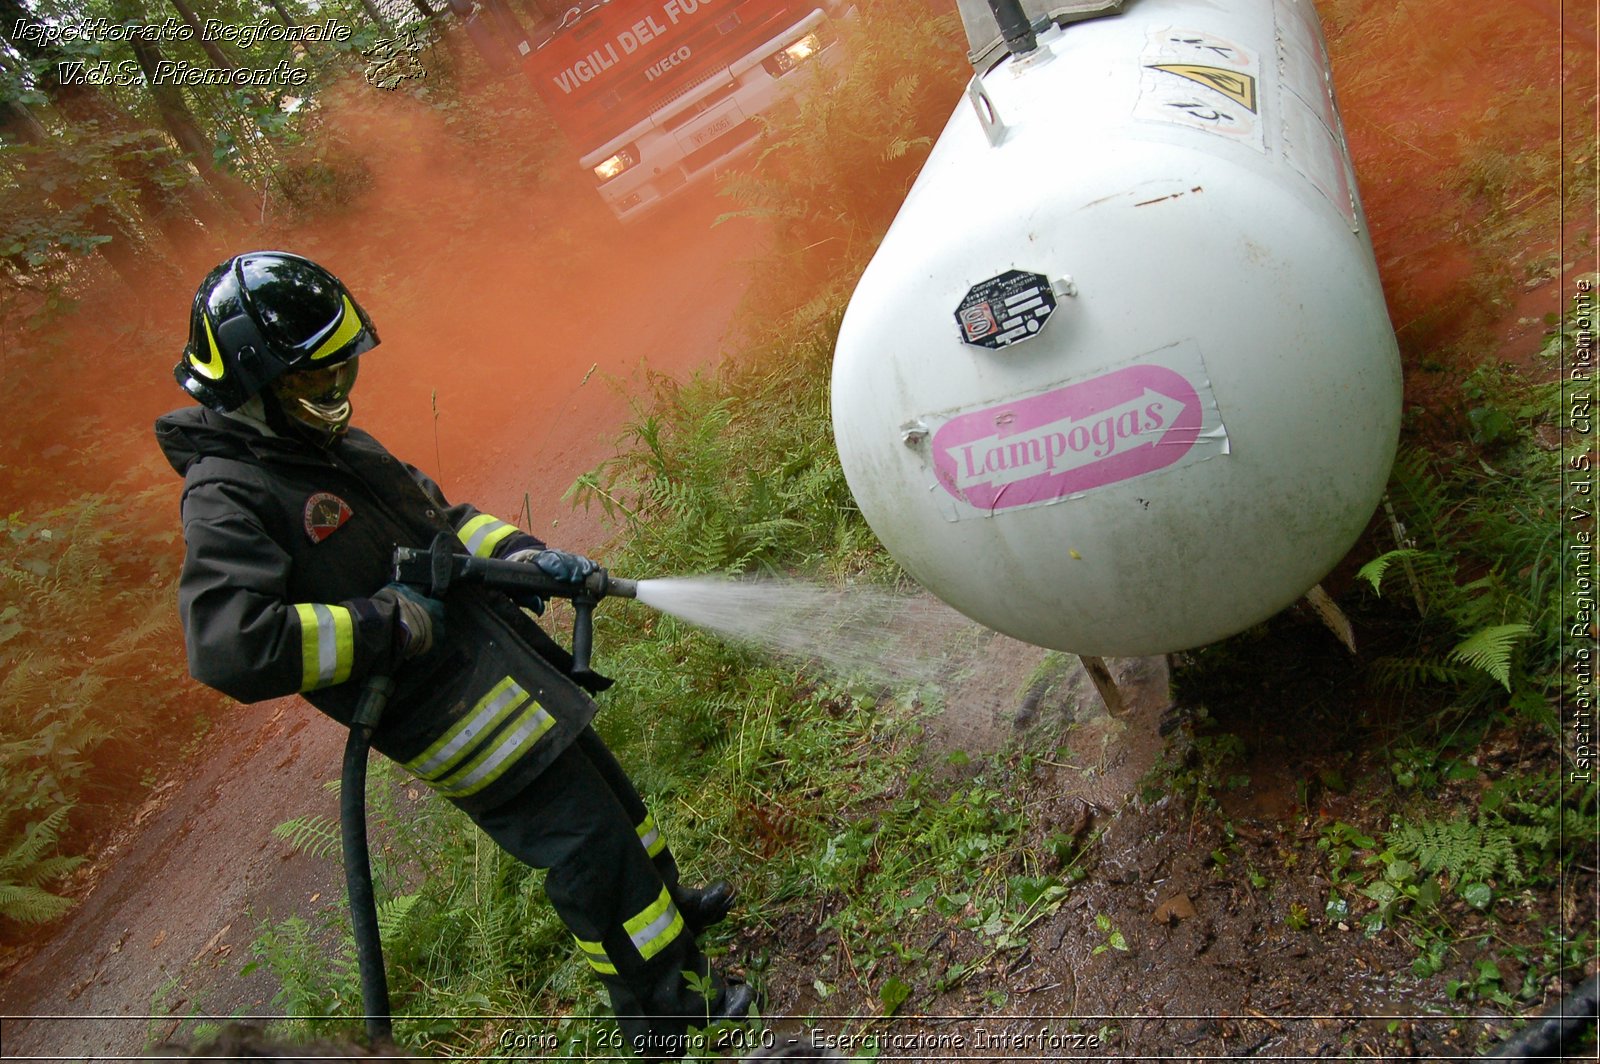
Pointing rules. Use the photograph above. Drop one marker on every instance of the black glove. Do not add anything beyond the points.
(421, 618)
(558, 564)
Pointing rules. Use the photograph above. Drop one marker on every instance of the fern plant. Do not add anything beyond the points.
(732, 474)
(88, 655)
(29, 864)
(1477, 555)
(314, 835)
(1472, 851)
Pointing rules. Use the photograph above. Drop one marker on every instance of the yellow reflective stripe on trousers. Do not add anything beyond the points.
(654, 929)
(327, 644)
(502, 726)
(483, 533)
(493, 762)
(595, 954)
(454, 745)
(650, 835)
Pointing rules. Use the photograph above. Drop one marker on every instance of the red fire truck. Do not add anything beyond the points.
(656, 94)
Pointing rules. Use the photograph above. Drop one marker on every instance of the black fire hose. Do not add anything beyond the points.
(1020, 35)
(1545, 1037)
(433, 571)
(357, 863)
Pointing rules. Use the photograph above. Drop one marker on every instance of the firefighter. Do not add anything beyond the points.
(290, 520)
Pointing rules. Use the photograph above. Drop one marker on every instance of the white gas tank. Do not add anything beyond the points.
(1121, 380)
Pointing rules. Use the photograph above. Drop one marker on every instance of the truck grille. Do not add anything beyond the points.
(684, 90)
(700, 107)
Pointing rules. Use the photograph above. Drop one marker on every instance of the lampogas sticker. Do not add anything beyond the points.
(1004, 309)
(1077, 436)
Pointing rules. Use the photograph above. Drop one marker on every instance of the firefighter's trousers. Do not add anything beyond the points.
(612, 880)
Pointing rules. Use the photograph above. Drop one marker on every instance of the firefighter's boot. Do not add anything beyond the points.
(704, 906)
(733, 1002)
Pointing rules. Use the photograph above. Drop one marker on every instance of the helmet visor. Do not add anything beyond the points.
(319, 397)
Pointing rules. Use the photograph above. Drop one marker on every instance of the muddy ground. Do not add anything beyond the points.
(1445, 114)
(1182, 940)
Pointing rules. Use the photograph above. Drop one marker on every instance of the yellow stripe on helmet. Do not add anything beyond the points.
(210, 368)
(349, 327)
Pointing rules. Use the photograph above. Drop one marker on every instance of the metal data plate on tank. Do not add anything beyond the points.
(1005, 309)
(1155, 412)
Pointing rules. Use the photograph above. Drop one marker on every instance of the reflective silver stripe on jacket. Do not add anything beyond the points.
(491, 709)
(483, 533)
(327, 644)
(655, 928)
(650, 835)
(492, 763)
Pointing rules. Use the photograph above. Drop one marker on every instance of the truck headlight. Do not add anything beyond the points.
(784, 60)
(625, 159)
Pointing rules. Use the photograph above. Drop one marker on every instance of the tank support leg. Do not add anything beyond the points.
(1329, 613)
(1096, 668)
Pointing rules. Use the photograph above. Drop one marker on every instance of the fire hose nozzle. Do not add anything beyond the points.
(439, 568)
(601, 584)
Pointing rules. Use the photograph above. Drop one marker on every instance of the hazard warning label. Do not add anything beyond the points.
(1240, 88)
(1203, 81)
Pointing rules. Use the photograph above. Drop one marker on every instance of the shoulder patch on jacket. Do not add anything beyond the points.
(325, 513)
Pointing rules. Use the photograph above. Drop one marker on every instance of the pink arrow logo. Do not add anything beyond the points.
(1123, 424)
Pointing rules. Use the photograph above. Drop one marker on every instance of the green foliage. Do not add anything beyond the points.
(29, 865)
(316, 985)
(1525, 835)
(315, 835)
(1490, 649)
(86, 655)
(1478, 554)
(737, 473)
(1114, 939)
(834, 168)
(1469, 851)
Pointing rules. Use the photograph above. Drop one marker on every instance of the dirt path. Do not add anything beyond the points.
(181, 893)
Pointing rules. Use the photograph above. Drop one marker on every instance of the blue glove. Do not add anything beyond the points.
(557, 564)
(421, 618)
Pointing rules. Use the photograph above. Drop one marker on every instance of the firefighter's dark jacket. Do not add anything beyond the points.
(286, 545)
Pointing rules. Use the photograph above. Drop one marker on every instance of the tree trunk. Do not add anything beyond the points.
(283, 13)
(18, 123)
(377, 17)
(213, 50)
(178, 119)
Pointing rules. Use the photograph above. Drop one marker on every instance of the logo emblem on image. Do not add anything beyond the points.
(325, 514)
